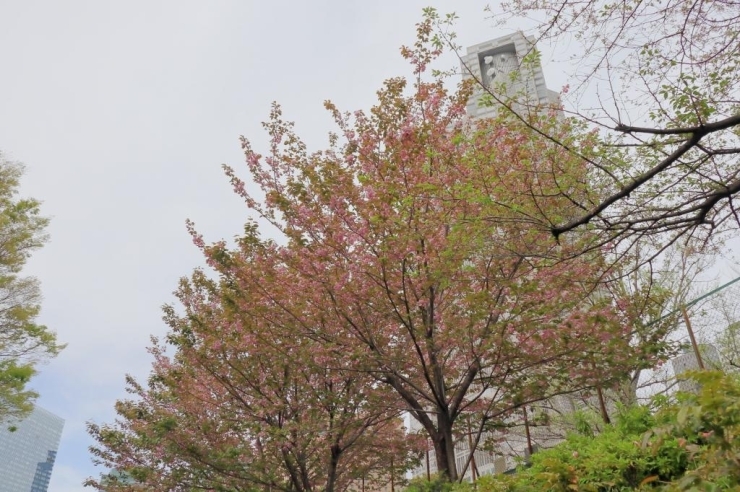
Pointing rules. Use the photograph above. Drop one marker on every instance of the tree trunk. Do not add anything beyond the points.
(444, 448)
(332, 472)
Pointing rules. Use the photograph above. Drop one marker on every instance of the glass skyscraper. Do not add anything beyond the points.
(27, 455)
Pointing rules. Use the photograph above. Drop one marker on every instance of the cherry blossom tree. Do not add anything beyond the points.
(411, 239)
(245, 404)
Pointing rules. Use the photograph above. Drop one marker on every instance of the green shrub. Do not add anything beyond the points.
(437, 484)
(692, 443)
(707, 425)
(614, 460)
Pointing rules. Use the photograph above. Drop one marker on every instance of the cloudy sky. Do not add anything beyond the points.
(123, 112)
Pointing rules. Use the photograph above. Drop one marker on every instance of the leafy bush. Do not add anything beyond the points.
(437, 484)
(614, 460)
(692, 444)
(707, 425)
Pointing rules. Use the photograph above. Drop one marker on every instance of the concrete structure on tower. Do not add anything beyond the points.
(27, 453)
(506, 67)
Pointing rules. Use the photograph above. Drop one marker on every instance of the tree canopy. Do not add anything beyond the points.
(23, 342)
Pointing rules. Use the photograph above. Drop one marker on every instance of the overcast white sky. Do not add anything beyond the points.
(123, 112)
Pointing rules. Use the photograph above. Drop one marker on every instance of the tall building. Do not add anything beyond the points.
(27, 454)
(500, 66)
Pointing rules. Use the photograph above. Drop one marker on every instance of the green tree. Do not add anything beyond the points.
(23, 342)
(728, 344)
(723, 314)
(657, 289)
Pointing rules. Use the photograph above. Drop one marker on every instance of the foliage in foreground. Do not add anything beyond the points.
(691, 444)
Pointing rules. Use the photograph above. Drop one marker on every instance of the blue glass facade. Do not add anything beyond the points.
(27, 455)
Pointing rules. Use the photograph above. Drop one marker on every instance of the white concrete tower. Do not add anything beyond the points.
(499, 65)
